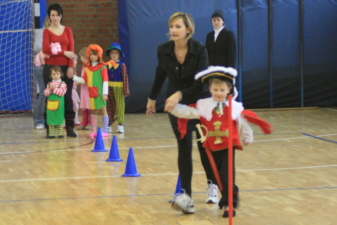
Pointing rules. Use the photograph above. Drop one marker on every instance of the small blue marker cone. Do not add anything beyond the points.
(99, 144)
(130, 169)
(114, 154)
(178, 188)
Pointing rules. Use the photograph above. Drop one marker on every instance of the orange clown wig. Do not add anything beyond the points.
(98, 50)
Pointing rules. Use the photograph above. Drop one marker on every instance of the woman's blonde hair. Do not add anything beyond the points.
(187, 19)
(82, 52)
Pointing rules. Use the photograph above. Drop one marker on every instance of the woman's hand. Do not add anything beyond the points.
(150, 107)
(105, 97)
(172, 101)
(70, 73)
(69, 55)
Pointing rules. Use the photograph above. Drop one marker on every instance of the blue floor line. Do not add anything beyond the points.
(323, 139)
(45, 151)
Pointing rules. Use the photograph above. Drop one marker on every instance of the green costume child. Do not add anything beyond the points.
(55, 91)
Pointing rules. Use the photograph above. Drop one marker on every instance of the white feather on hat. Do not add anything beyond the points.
(212, 69)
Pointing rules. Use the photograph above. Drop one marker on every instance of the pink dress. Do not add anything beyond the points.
(85, 104)
(76, 100)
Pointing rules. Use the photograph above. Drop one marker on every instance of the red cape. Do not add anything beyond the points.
(253, 118)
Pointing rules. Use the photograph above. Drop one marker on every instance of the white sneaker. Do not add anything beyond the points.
(184, 202)
(120, 129)
(39, 126)
(109, 129)
(212, 193)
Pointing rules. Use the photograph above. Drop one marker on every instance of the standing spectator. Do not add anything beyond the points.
(55, 92)
(84, 100)
(63, 35)
(38, 117)
(96, 77)
(76, 103)
(75, 97)
(220, 43)
(118, 86)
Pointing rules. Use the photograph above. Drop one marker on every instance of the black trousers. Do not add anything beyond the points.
(185, 145)
(69, 113)
(221, 161)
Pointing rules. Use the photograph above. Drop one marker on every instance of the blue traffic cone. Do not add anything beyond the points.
(114, 154)
(178, 188)
(130, 169)
(99, 144)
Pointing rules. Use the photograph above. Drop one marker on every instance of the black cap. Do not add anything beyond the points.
(218, 13)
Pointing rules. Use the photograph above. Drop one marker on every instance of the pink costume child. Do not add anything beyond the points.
(75, 97)
(76, 101)
(84, 103)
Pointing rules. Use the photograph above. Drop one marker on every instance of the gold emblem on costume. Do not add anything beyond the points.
(217, 133)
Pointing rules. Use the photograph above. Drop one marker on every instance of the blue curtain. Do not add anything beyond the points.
(286, 48)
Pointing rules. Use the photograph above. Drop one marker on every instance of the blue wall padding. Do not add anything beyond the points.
(43, 11)
(255, 76)
(270, 72)
(320, 52)
(286, 55)
(123, 31)
(16, 57)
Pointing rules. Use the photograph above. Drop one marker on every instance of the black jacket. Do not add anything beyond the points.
(222, 52)
(168, 67)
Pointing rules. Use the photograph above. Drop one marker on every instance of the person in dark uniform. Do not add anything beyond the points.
(220, 43)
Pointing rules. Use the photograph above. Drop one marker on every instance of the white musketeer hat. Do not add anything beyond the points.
(223, 73)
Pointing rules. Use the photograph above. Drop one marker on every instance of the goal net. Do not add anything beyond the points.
(16, 56)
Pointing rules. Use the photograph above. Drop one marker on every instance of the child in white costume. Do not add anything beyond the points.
(213, 115)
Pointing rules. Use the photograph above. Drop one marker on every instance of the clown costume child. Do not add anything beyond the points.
(96, 77)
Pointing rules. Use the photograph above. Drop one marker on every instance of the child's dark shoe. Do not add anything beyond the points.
(226, 213)
(50, 137)
(61, 136)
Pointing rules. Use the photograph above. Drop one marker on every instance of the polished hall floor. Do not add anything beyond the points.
(287, 177)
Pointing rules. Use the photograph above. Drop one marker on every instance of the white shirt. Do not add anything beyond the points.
(217, 31)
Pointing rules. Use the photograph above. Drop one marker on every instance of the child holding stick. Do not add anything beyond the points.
(213, 115)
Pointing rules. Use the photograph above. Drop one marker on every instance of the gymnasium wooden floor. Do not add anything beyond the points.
(288, 177)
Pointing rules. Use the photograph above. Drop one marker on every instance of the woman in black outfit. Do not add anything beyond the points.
(179, 60)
